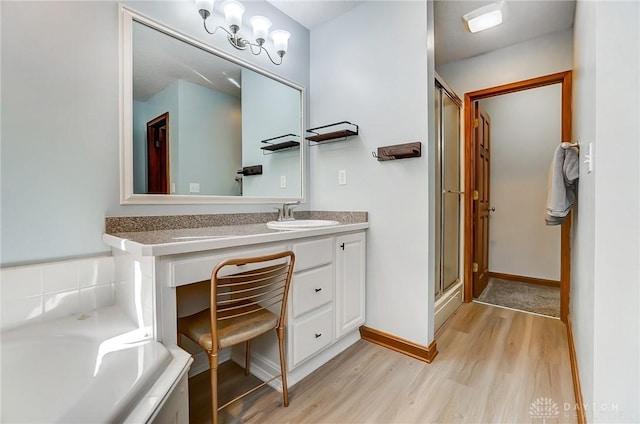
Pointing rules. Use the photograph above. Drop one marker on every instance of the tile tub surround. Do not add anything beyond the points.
(132, 224)
(44, 292)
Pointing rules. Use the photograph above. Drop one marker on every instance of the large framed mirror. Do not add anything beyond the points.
(200, 126)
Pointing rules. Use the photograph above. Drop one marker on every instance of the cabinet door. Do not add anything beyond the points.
(176, 408)
(350, 283)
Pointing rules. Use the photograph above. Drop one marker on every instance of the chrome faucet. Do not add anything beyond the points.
(286, 212)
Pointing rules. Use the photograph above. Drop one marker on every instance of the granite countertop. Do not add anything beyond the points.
(193, 233)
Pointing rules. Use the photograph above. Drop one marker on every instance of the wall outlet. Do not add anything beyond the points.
(173, 187)
(194, 188)
(283, 181)
(342, 177)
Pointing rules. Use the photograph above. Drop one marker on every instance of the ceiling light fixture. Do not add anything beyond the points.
(485, 17)
(233, 11)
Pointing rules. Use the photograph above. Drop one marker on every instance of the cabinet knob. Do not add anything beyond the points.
(342, 246)
(318, 290)
(318, 335)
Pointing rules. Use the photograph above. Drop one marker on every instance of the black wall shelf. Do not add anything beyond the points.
(332, 136)
(281, 146)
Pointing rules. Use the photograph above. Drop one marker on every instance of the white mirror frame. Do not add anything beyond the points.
(127, 196)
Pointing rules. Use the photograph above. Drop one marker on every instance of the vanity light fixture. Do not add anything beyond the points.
(233, 11)
(485, 17)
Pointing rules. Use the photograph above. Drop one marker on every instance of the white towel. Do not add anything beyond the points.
(563, 181)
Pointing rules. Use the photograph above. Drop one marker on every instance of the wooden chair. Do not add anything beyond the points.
(243, 305)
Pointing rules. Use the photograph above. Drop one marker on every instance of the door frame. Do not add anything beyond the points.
(565, 79)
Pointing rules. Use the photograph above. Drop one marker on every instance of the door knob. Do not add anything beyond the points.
(492, 209)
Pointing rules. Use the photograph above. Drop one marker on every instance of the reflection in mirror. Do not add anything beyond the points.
(198, 119)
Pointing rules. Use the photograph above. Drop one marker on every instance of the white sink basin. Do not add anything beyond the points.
(301, 224)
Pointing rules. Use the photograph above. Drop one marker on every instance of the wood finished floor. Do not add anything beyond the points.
(493, 363)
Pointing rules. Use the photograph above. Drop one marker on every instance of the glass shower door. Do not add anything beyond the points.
(448, 191)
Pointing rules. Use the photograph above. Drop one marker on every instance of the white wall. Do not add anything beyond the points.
(60, 119)
(525, 131)
(270, 109)
(605, 296)
(541, 56)
(166, 101)
(545, 55)
(204, 125)
(373, 66)
(210, 140)
(581, 308)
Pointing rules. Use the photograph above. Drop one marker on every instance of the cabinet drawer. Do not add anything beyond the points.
(313, 253)
(196, 268)
(311, 335)
(311, 289)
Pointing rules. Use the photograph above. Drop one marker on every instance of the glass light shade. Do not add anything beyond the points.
(280, 40)
(233, 11)
(486, 21)
(206, 5)
(261, 26)
(485, 17)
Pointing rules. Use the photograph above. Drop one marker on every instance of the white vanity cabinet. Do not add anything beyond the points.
(328, 292)
(326, 304)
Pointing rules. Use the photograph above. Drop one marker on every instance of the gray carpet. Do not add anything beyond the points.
(522, 296)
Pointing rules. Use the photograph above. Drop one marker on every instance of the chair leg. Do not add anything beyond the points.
(247, 358)
(283, 366)
(213, 363)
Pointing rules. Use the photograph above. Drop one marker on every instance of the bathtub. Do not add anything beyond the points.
(96, 368)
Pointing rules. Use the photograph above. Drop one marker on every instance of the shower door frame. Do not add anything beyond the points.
(447, 91)
(565, 79)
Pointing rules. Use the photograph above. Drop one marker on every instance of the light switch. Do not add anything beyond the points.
(342, 177)
(283, 181)
(588, 158)
(194, 188)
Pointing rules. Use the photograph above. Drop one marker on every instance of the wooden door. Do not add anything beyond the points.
(482, 140)
(158, 180)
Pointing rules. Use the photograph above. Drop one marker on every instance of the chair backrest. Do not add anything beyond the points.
(241, 294)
